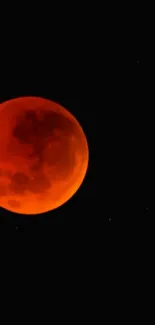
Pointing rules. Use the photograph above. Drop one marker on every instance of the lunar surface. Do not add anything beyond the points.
(43, 155)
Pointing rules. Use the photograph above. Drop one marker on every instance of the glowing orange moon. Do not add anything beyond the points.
(43, 155)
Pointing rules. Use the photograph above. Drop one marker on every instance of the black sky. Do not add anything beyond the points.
(52, 83)
(104, 91)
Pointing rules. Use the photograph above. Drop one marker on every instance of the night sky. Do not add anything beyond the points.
(92, 257)
(106, 100)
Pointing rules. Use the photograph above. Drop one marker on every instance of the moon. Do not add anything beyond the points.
(43, 155)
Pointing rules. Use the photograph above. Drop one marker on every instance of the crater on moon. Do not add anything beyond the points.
(19, 182)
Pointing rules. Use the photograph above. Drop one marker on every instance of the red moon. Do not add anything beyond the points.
(43, 155)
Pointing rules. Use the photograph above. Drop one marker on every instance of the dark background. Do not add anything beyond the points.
(85, 57)
(114, 189)
(97, 78)
(56, 81)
